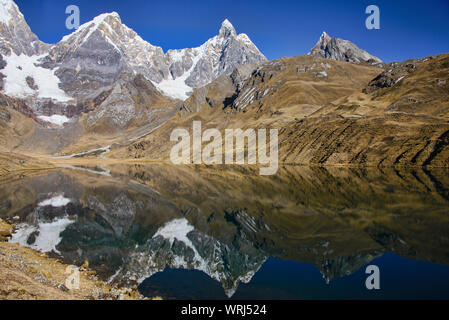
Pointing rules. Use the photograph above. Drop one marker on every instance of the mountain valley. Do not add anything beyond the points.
(104, 87)
(87, 176)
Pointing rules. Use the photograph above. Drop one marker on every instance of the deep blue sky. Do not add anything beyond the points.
(409, 28)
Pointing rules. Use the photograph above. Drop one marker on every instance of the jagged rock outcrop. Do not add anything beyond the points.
(16, 36)
(394, 73)
(219, 55)
(344, 266)
(342, 50)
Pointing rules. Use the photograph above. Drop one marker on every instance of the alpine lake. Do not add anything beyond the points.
(221, 232)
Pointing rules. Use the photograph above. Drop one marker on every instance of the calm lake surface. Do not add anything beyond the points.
(228, 233)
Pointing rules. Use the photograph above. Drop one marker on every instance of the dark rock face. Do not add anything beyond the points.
(347, 265)
(394, 73)
(48, 107)
(2, 63)
(17, 104)
(342, 50)
(226, 90)
(2, 66)
(31, 83)
(86, 70)
(128, 99)
(4, 115)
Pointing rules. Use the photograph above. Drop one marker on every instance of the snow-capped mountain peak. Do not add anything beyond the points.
(227, 29)
(104, 57)
(86, 29)
(324, 40)
(15, 34)
(195, 67)
(107, 27)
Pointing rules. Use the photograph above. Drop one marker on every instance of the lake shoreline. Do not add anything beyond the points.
(200, 232)
(26, 274)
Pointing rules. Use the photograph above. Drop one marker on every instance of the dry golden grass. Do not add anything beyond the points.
(325, 120)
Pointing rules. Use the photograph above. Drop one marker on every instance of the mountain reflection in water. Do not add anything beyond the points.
(253, 236)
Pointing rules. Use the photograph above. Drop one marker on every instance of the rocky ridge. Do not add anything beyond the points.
(107, 46)
(16, 36)
(342, 50)
(396, 117)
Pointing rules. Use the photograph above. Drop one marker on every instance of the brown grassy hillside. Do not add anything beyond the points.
(328, 112)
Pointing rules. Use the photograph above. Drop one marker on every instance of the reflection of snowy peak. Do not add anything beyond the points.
(118, 213)
(179, 245)
(346, 265)
(43, 228)
(129, 232)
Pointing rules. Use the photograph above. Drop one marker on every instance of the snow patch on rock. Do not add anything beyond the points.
(48, 234)
(46, 83)
(92, 26)
(176, 229)
(58, 201)
(5, 10)
(55, 119)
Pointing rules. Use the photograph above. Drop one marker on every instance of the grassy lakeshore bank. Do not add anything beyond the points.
(26, 274)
